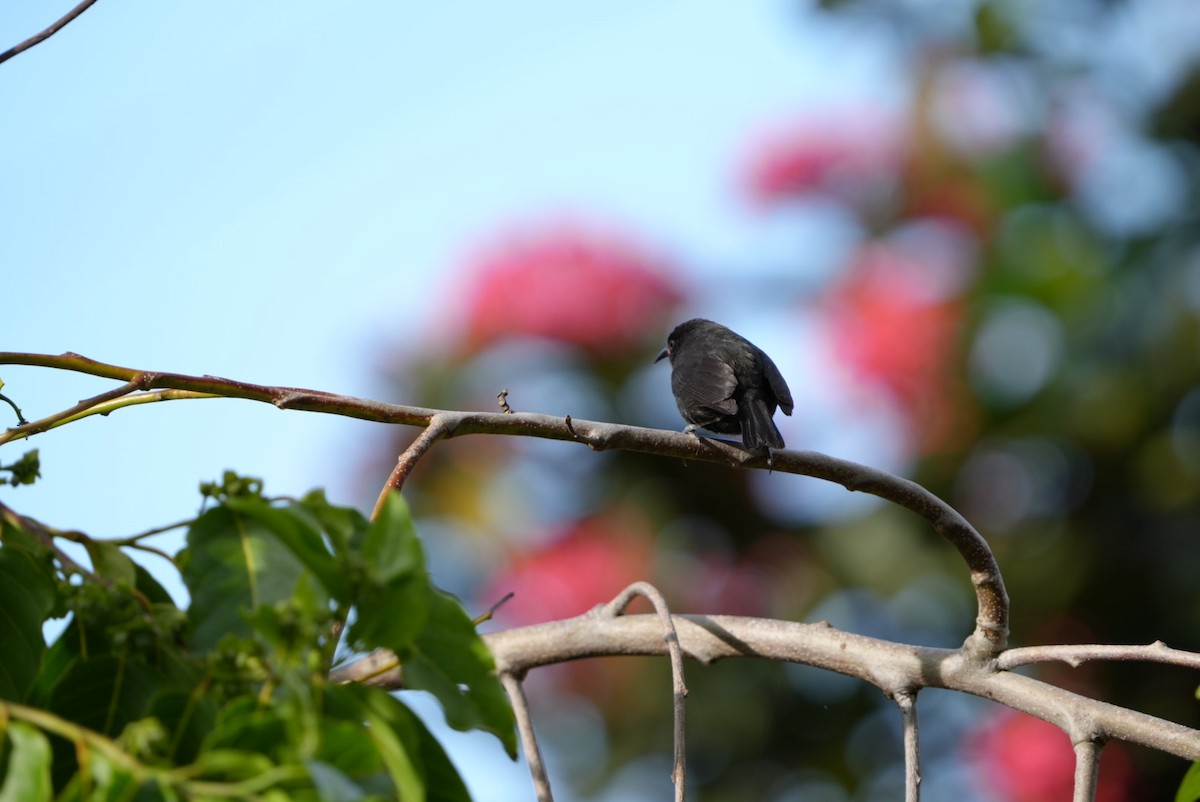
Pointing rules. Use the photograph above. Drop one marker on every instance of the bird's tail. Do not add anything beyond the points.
(758, 429)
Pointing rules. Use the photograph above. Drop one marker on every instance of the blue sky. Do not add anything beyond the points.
(274, 193)
(278, 192)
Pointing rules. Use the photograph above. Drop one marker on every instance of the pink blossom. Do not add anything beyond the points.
(838, 153)
(894, 321)
(600, 292)
(1019, 758)
(585, 565)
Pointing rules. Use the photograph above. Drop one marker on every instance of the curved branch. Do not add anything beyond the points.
(991, 627)
(439, 426)
(892, 667)
(38, 38)
(679, 690)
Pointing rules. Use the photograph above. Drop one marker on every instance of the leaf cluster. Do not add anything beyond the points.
(139, 699)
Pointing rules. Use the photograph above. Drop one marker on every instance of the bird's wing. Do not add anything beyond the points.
(778, 386)
(705, 381)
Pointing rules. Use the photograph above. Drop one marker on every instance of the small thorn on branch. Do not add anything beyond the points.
(502, 397)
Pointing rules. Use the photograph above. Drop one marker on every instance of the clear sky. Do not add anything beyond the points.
(277, 192)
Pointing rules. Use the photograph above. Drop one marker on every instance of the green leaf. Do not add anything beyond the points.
(1189, 789)
(105, 693)
(450, 660)
(423, 760)
(244, 726)
(101, 781)
(149, 587)
(28, 776)
(342, 525)
(391, 548)
(111, 563)
(188, 716)
(25, 471)
(393, 597)
(27, 597)
(233, 564)
(296, 529)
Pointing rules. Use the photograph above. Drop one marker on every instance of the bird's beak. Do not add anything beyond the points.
(662, 354)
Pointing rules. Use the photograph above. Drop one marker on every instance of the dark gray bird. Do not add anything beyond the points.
(726, 384)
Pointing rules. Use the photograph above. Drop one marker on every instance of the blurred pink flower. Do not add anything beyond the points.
(585, 565)
(1019, 758)
(840, 153)
(597, 291)
(894, 320)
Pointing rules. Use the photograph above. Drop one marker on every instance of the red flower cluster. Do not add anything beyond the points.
(1020, 758)
(595, 291)
(587, 565)
(894, 321)
(837, 154)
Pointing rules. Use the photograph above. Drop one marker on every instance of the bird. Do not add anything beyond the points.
(725, 384)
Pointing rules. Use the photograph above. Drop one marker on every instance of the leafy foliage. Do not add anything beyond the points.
(230, 698)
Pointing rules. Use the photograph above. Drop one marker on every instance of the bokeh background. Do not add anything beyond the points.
(967, 232)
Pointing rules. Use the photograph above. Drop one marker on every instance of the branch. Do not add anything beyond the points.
(533, 754)
(1076, 655)
(679, 690)
(991, 631)
(38, 38)
(1087, 771)
(439, 426)
(894, 668)
(907, 701)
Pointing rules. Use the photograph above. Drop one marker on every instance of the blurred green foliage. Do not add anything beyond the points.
(230, 698)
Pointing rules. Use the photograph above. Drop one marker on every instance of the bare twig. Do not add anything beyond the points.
(20, 418)
(1087, 771)
(439, 426)
(1075, 655)
(679, 690)
(533, 753)
(907, 701)
(38, 38)
(87, 404)
(487, 614)
(46, 536)
(991, 631)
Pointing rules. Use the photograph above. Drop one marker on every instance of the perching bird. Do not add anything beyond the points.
(724, 383)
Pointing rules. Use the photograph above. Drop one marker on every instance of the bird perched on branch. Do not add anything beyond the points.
(726, 384)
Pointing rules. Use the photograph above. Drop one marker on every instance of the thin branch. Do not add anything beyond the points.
(679, 690)
(907, 702)
(991, 631)
(1087, 771)
(46, 537)
(80, 409)
(439, 426)
(20, 418)
(38, 38)
(1075, 655)
(487, 614)
(533, 753)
